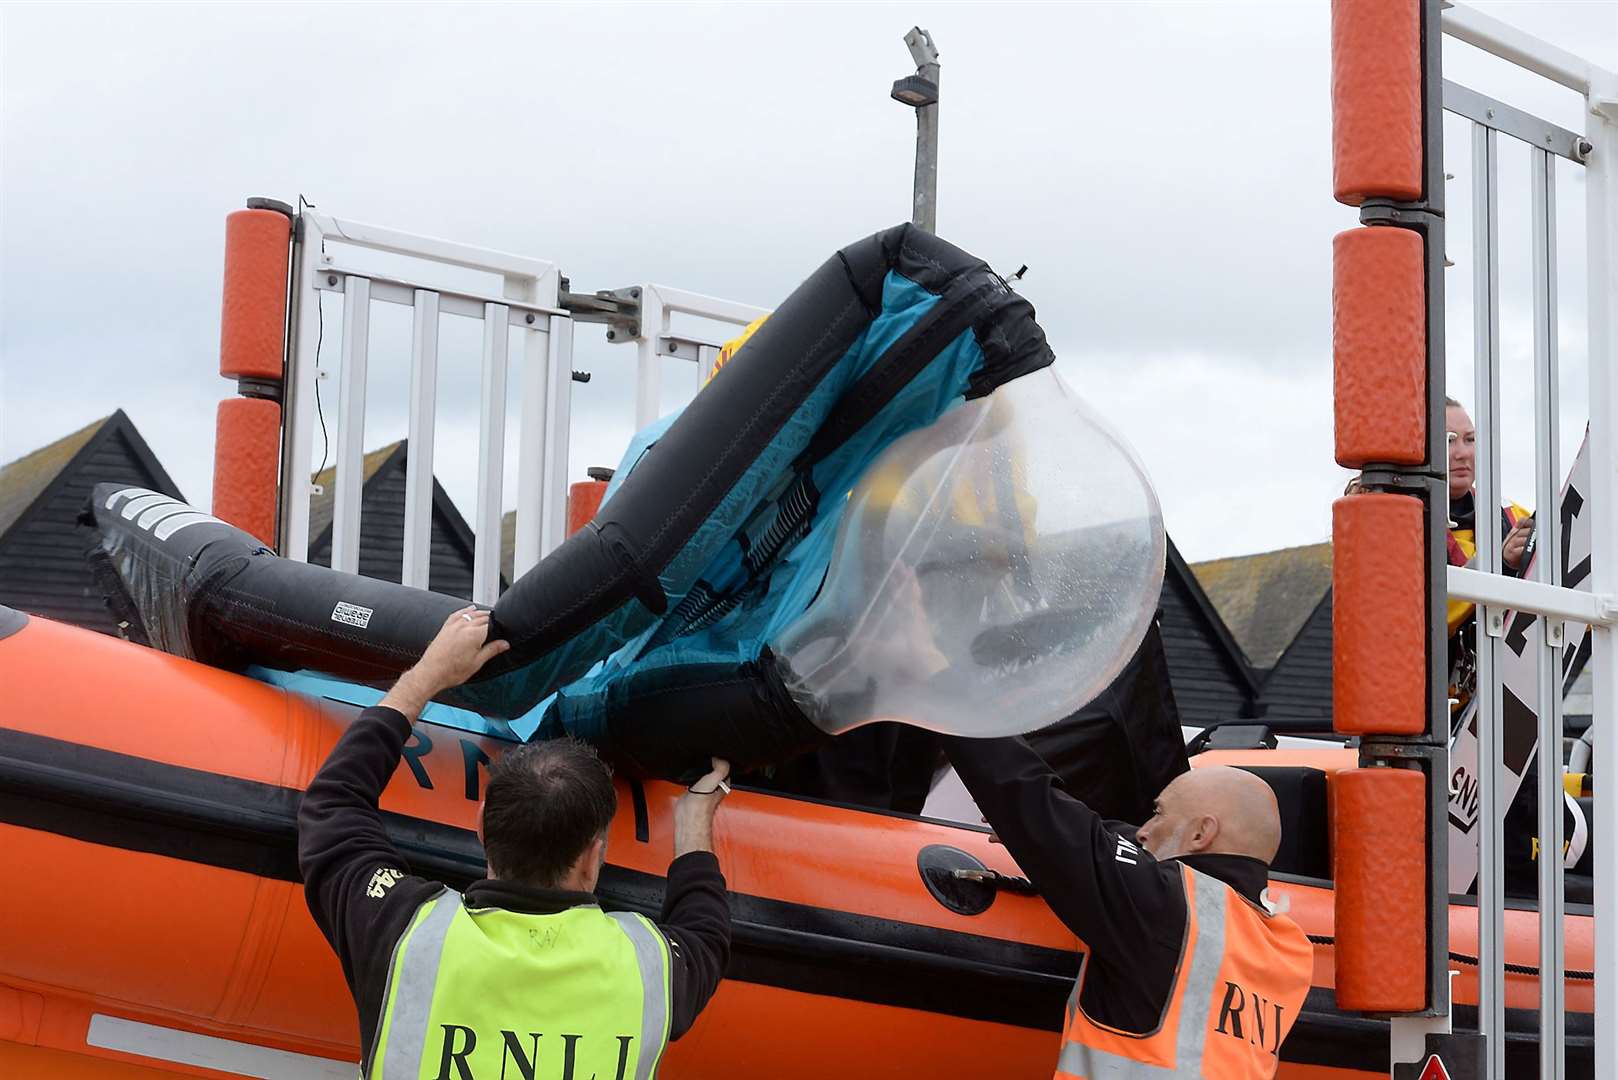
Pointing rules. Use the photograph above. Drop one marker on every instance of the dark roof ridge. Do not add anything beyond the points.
(1268, 597)
(1260, 554)
(30, 480)
(323, 505)
(1205, 607)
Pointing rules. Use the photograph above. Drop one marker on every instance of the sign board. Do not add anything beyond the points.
(1523, 637)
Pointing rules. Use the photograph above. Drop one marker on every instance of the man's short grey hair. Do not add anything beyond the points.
(1451, 403)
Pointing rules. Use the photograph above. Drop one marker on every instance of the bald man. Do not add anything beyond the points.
(1185, 966)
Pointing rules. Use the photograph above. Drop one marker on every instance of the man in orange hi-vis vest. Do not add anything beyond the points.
(1188, 970)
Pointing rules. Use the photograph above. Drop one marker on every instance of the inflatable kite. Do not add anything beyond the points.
(885, 505)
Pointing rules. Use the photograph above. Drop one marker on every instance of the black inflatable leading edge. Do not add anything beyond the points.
(811, 379)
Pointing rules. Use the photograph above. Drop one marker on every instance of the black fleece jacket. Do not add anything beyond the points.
(1125, 906)
(362, 899)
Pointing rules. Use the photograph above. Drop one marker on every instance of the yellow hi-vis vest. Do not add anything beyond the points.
(478, 994)
(1242, 979)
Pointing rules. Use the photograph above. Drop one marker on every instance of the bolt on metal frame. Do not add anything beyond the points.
(1485, 586)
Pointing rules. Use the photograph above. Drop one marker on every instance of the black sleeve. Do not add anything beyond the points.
(696, 921)
(353, 879)
(1090, 872)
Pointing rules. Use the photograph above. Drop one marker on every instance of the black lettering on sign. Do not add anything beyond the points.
(473, 757)
(1463, 795)
(414, 750)
(457, 1056)
(1520, 732)
(1517, 632)
(623, 1054)
(1574, 659)
(1275, 1051)
(1232, 1013)
(1572, 579)
(1572, 503)
(526, 1063)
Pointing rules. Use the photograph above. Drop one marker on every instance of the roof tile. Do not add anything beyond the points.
(1265, 599)
(25, 479)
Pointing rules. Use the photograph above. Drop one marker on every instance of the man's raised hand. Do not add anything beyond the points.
(459, 651)
(1516, 543)
(694, 811)
(456, 653)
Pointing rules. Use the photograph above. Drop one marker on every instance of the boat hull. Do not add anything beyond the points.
(156, 926)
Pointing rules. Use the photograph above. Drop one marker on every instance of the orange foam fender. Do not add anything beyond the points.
(1379, 347)
(1379, 846)
(247, 465)
(1376, 99)
(1379, 616)
(252, 325)
(583, 500)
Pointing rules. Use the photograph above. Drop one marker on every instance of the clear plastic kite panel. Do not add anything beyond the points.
(994, 572)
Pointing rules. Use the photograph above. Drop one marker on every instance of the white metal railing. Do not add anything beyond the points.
(530, 301)
(1524, 50)
(1494, 593)
(658, 305)
(323, 263)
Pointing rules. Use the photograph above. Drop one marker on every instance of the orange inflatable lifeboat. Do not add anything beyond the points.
(154, 923)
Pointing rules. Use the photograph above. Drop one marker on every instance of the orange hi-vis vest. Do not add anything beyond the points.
(1242, 979)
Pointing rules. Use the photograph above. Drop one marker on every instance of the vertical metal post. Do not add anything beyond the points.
(707, 357)
(418, 510)
(298, 416)
(1486, 518)
(924, 189)
(558, 435)
(491, 454)
(350, 478)
(1601, 202)
(1440, 978)
(1552, 1054)
(654, 323)
(532, 466)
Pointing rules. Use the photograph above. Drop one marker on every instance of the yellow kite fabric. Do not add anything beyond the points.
(731, 347)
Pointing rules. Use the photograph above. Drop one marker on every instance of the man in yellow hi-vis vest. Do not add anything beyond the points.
(523, 974)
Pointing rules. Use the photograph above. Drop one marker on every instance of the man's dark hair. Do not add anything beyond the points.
(547, 803)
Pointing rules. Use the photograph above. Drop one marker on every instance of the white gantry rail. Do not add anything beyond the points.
(658, 305)
(328, 260)
(1597, 150)
(527, 300)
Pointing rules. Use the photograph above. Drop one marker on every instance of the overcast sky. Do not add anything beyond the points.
(1163, 169)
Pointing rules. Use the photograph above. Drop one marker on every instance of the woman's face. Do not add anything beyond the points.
(1463, 451)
